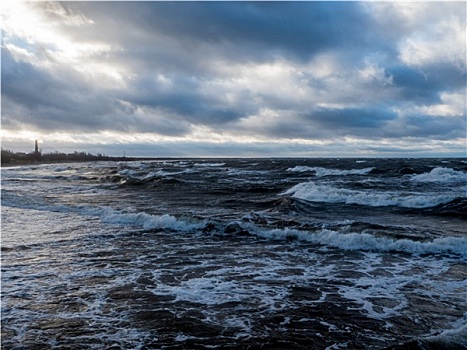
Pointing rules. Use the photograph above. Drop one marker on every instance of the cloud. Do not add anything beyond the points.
(261, 29)
(369, 118)
(256, 71)
(47, 100)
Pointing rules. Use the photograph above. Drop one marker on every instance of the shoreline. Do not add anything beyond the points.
(29, 162)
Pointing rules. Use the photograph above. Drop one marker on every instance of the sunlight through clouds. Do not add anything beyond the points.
(33, 33)
(319, 73)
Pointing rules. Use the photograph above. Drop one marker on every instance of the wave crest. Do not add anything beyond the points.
(441, 175)
(320, 172)
(311, 192)
(365, 241)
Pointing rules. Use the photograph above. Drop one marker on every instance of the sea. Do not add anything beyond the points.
(235, 254)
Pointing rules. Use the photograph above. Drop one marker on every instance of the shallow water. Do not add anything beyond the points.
(235, 253)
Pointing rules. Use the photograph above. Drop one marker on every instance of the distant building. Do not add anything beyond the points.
(37, 154)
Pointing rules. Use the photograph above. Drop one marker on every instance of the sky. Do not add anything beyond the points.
(235, 79)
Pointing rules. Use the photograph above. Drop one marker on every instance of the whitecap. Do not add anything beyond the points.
(441, 175)
(142, 219)
(61, 168)
(208, 164)
(455, 336)
(319, 172)
(312, 192)
(368, 242)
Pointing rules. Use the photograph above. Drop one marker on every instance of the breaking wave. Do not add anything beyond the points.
(319, 172)
(451, 339)
(312, 192)
(144, 220)
(208, 164)
(441, 175)
(365, 241)
(346, 241)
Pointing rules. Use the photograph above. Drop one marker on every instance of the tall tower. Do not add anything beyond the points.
(37, 153)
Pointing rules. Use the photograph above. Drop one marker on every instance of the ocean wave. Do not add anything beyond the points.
(130, 173)
(161, 173)
(451, 339)
(32, 202)
(456, 208)
(319, 172)
(61, 168)
(242, 172)
(455, 336)
(327, 237)
(441, 175)
(311, 192)
(368, 242)
(133, 177)
(143, 220)
(346, 241)
(208, 164)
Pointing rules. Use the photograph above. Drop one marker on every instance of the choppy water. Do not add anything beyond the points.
(235, 253)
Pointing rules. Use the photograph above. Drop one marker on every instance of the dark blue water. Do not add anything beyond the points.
(235, 253)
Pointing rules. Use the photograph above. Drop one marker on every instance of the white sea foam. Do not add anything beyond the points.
(142, 219)
(151, 175)
(220, 285)
(208, 164)
(130, 173)
(319, 172)
(241, 172)
(161, 173)
(441, 175)
(455, 336)
(368, 242)
(312, 192)
(210, 291)
(61, 168)
(300, 168)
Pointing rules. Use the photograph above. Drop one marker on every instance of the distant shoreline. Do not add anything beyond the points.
(28, 162)
(13, 159)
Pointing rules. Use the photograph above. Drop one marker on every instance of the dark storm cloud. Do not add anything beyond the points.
(300, 29)
(329, 123)
(427, 127)
(365, 118)
(424, 85)
(50, 102)
(22, 82)
(184, 99)
(46, 100)
(374, 123)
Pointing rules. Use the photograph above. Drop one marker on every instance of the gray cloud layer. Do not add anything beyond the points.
(281, 70)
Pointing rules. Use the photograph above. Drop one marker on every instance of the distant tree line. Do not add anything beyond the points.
(9, 157)
(75, 156)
